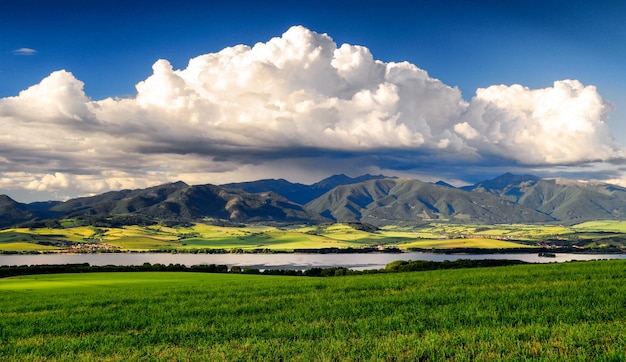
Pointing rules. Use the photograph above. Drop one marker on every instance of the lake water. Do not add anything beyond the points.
(280, 261)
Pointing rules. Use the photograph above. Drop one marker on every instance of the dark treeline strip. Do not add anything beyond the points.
(564, 249)
(15, 270)
(152, 251)
(393, 267)
(363, 250)
(112, 221)
(420, 265)
(349, 250)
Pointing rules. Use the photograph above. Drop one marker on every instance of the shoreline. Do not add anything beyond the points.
(365, 250)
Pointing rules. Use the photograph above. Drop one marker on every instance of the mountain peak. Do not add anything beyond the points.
(513, 177)
(445, 184)
(341, 179)
(4, 199)
(334, 180)
(506, 180)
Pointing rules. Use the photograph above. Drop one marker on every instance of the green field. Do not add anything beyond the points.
(605, 225)
(202, 236)
(591, 235)
(557, 312)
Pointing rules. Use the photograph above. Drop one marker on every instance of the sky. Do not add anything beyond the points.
(107, 95)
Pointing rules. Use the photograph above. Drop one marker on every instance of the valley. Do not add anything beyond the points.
(598, 236)
(339, 212)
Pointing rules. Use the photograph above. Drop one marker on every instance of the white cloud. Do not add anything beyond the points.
(300, 89)
(467, 131)
(57, 98)
(556, 125)
(295, 97)
(24, 51)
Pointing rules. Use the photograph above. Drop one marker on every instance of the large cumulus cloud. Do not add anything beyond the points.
(562, 124)
(301, 90)
(293, 98)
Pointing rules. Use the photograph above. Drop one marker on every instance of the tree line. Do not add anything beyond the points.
(393, 267)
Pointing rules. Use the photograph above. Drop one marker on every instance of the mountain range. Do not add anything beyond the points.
(371, 199)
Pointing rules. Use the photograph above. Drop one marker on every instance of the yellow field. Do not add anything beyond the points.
(76, 234)
(347, 233)
(220, 232)
(141, 243)
(513, 231)
(295, 240)
(23, 246)
(111, 234)
(205, 236)
(605, 225)
(273, 240)
(481, 243)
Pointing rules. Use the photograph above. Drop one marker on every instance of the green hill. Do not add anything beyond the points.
(387, 201)
(566, 200)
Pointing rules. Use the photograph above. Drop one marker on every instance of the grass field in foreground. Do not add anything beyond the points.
(569, 311)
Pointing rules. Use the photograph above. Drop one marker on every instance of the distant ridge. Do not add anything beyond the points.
(179, 201)
(12, 212)
(371, 199)
(566, 200)
(387, 201)
(297, 192)
(503, 182)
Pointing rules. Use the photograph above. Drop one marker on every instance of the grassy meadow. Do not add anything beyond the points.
(552, 312)
(204, 236)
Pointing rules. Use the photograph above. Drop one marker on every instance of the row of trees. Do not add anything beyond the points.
(396, 266)
(113, 221)
(421, 265)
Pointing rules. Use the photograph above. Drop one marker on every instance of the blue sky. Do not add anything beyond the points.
(110, 47)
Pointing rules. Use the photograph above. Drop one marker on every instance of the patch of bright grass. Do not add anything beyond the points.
(23, 246)
(141, 243)
(603, 225)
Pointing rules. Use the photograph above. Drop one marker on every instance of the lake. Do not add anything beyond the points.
(280, 261)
